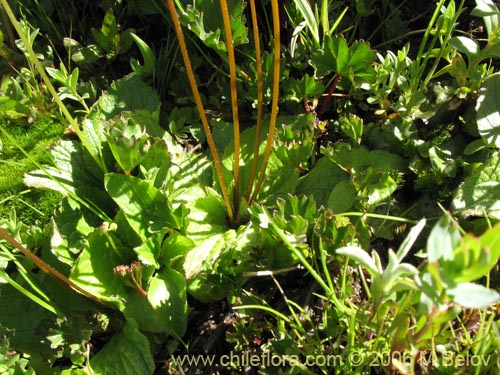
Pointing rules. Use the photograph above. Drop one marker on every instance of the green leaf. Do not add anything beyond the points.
(305, 9)
(93, 270)
(488, 110)
(305, 88)
(342, 197)
(72, 224)
(359, 158)
(361, 257)
(127, 353)
(475, 257)
(479, 194)
(320, 181)
(74, 174)
(410, 239)
(442, 240)
(167, 295)
(204, 19)
(146, 208)
(473, 296)
(156, 163)
(148, 56)
(491, 16)
(336, 57)
(128, 140)
(129, 93)
(174, 247)
(465, 45)
(281, 176)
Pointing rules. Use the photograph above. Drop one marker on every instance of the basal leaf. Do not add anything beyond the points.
(280, 178)
(93, 270)
(488, 110)
(174, 247)
(74, 174)
(127, 353)
(206, 251)
(167, 295)
(71, 225)
(146, 208)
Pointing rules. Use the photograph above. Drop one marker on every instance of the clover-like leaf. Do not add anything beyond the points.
(337, 57)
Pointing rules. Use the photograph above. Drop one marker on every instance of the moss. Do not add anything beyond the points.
(36, 139)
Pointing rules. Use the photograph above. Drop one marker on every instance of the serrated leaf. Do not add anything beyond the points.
(337, 57)
(129, 93)
(127, 353)
(74, 174)
(488, 110)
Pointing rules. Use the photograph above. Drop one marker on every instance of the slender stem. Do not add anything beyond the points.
(423, 46)
(275, 95)
(234, 105)
(34, 60)
(441, 52)
(199, 105)
(47, 268)
(298, 254)
(260, 99)
(330, 93)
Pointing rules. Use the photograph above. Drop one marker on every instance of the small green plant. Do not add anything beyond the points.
(234, 211)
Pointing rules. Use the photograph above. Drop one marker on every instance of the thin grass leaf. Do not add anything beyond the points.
(305, 9)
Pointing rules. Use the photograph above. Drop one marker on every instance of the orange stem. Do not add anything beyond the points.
(199, 105)
(234, 105)
(275, 95)
(260, 99)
